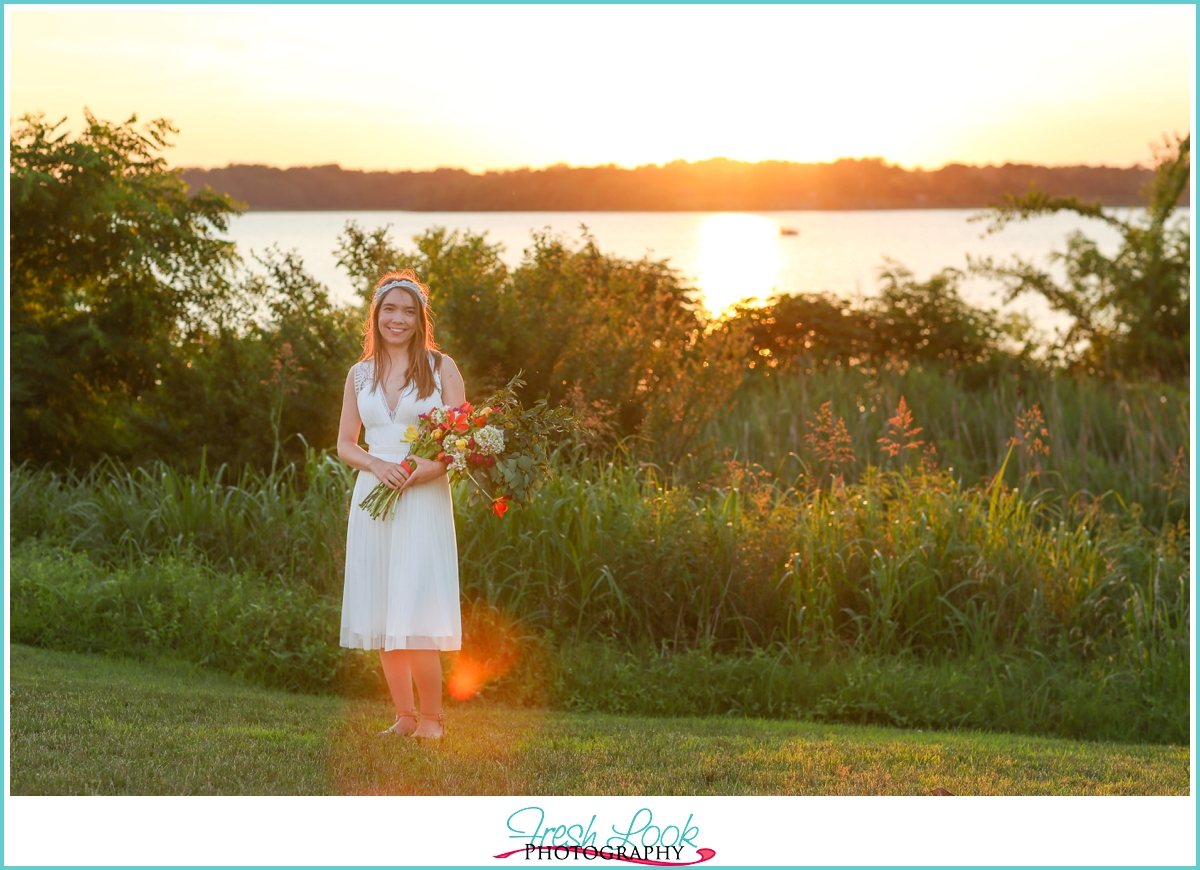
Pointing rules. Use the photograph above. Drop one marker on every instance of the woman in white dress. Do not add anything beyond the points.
(401, 592)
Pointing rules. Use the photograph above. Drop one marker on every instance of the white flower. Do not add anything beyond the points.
(458, 461)
(437, 416)
(489, 440)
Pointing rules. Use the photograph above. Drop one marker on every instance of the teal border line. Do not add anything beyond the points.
(1195, 439)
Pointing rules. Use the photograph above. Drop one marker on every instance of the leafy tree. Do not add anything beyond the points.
(820, 327)
(929, 321)
(243, 389)
(919, 321)
(582, 325)
(112, 263)
(1130, 312)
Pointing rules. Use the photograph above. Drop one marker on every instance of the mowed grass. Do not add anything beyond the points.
(92, 725)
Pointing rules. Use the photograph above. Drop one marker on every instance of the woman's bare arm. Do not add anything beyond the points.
(454, 391)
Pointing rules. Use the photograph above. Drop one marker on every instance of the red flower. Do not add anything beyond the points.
(462, 424)
(491, 460)
(441, 457)
(500, 505)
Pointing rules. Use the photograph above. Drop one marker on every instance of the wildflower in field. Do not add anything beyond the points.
(929, 458)
(1032, 433)
(829, 438)
(1177, 475)
(901, 434)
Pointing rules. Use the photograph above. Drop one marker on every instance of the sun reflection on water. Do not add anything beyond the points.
(739, 259)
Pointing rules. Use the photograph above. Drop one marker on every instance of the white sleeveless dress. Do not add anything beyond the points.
(401, 587)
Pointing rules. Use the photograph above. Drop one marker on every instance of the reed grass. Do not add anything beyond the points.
(1121, 437)
(288, 524)
(984, 561)
(275, 634)
(288, 638)
(900, 561)
(901, 564)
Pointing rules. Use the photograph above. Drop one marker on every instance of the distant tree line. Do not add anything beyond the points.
(710, 185)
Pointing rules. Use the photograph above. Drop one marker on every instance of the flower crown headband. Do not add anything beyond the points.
(406, 284)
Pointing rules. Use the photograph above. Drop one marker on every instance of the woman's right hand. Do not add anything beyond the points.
(391, 474)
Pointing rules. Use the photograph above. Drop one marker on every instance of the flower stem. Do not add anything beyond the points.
(478, 484)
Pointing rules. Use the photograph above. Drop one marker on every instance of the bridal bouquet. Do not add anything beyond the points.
(502, 448)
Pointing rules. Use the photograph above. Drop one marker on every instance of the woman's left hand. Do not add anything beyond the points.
(427, 470)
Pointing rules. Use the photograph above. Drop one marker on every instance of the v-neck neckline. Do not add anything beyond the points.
(391, 412)
(383, 397)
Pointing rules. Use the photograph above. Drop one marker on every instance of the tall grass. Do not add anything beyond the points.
(289, 524)
(995, 567)
(286, 636)
(900, 561)
(1119, 437)
(277, 634)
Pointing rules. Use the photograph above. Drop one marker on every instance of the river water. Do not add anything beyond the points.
(727, 256)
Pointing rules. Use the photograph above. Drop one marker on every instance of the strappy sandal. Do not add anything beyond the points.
(399, 730)
(440, 718)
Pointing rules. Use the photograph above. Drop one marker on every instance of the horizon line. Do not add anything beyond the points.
(566, 166)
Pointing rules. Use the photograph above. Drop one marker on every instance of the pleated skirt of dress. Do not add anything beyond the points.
(401, 587)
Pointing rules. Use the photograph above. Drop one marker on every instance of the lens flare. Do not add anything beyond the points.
(492, 646)
(466, 679)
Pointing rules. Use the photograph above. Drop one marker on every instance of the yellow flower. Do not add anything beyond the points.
(461, 443)
(439, 434)
(410, 434)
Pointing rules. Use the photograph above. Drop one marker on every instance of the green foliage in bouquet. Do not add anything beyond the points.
(529, 435)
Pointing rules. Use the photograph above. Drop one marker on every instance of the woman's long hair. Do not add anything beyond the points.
(420, 370)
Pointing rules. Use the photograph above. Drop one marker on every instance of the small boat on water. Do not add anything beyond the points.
(788, 231)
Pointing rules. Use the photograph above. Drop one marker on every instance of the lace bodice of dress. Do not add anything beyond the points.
(385, 426)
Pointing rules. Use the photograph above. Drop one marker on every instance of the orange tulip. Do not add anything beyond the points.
(500, 505)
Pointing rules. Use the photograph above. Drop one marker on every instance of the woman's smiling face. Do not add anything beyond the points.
(399, 317)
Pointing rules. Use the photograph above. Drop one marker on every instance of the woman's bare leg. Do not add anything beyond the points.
(426, 667)
(398, 672)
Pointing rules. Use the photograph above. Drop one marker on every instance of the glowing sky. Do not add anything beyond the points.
(495, 87)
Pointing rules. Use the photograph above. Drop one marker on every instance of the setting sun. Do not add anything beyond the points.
(739, 258)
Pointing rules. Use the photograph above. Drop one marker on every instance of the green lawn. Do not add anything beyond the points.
(93, 725)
